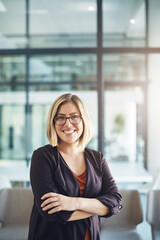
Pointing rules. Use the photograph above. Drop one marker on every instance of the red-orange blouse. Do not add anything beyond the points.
(82, 183)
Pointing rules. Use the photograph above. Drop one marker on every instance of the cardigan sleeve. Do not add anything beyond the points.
(110, 195)
(42, 182)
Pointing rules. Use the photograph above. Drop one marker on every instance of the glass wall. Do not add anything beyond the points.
(12, 24)
(124, 67)
(12, 107)
(124, 106)
(71, 24)
(154, 19)
(47, 24)
(124, 133)
(64, 69)
(124, 23)
(96, 51)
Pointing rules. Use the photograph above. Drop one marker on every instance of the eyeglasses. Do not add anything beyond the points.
(74, 119)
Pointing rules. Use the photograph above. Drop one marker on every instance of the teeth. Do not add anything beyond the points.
(69, 131)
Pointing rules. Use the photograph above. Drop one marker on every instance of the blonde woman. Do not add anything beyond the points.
(72, 184)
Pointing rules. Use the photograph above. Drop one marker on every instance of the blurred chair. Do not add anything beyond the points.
(155, 184)
(123, 226)
(153, 212)
(15, 210)
(4, 181)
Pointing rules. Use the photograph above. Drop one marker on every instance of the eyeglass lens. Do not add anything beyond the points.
(61, 120)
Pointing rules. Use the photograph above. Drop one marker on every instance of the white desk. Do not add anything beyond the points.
(123, 172)
(15, 171)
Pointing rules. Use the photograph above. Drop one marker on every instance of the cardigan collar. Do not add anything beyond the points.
(68, 182)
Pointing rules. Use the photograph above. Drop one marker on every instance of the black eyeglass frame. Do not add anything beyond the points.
(80, 118)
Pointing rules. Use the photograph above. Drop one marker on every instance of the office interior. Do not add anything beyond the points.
(105, 51)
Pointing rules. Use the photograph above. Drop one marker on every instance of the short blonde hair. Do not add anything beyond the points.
(87, 125)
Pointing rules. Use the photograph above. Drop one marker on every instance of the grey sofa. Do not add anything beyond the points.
(123, 226)
(153, 213)
(15, 210)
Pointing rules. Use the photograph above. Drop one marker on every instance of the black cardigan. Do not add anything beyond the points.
(50, 173)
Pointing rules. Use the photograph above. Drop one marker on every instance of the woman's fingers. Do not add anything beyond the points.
(49, 200)
(56, 209)
(58, 202)
(51, 205)
(48, 195)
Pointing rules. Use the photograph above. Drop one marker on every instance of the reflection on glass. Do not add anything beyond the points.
(154, 19)
(124, 67)
(124, 140)
(41, 102)
(124, 23)
(12, 70)
(63, 68)
(12, 129)
(12, 24)
(57, 24)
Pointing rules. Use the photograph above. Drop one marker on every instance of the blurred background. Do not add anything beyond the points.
(105, 51)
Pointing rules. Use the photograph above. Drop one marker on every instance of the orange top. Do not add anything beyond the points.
(82, 183)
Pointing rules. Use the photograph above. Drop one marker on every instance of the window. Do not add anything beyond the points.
(154, 18)
(12, 107)
(67, 68)
(124, 68)
(124, 23)
(124, 122)
(54, 50)
(63, 24)
(12, 24)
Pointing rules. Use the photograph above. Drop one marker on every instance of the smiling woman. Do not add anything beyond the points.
(63, 174)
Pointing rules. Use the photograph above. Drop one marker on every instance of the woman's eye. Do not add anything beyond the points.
(74, 117)
(60, 118)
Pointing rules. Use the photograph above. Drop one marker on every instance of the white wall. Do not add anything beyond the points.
(154, 114)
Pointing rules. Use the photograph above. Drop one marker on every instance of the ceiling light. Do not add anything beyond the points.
(2, 7)
(132, 21)
(91, 8)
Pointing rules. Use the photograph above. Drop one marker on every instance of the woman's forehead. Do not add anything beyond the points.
(68, 108)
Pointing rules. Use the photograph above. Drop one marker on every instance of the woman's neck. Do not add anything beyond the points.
(69, 148)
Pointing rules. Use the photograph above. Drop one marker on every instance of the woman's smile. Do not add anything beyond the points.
(68, 131)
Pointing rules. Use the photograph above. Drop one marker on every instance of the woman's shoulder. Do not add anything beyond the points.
(46, 151)
(96, 158)
(93, 152)
(45, 148)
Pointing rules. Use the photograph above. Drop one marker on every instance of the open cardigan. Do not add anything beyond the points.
(50, 173)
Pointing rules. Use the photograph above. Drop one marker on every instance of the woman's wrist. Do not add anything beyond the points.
(77, 203)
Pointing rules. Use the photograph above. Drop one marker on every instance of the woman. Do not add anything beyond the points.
(72, 184)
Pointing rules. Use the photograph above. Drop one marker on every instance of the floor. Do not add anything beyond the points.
(144, 228)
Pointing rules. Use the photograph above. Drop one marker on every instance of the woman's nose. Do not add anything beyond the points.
(68, 123)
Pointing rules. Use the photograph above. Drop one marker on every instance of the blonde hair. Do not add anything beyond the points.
(87, 125)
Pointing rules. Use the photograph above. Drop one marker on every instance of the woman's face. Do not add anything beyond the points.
(69, 133)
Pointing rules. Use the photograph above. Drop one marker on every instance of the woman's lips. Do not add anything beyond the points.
(69, 131)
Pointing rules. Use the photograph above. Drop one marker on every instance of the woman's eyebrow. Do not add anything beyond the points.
(65, 114)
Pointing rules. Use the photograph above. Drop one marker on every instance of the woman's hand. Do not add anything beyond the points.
(58, 202)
